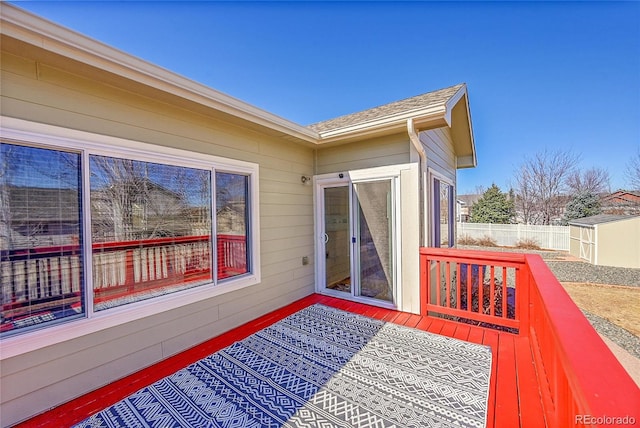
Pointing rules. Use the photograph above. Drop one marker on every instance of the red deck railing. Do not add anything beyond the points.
(586, 384)
(478, 287)
(37, 283)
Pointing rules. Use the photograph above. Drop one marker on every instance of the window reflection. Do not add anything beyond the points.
(151, 229)
(40, 237)
(232, 194)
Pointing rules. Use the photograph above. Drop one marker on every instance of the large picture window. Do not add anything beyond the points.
(82, 232)
(150, 229)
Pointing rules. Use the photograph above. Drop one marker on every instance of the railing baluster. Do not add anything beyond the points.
(20, 280)
(480, 289)
(6, 276)
(151, 265)
(137, 269)
(505, 292)
(158, 264)
(113, 277)
(458, 270)
(144, 265)
(469, 288)
(122, 267)
(42, 269)
(439, 283)
(448, 282)
(32, 279)
(65, 271)
(76, 284)
(164, 264)
(54, 275)
(492, 291)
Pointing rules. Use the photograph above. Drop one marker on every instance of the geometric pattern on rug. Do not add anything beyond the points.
(320, 367)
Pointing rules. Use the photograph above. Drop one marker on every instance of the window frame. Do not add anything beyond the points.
(435, 210)
(22, 132)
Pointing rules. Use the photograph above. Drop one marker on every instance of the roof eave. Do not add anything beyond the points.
(458, 117)
(31, 29)
(429, 118)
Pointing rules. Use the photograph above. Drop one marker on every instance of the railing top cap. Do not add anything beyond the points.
(475, 255)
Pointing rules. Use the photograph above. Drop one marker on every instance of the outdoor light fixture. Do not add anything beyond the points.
(304, 179)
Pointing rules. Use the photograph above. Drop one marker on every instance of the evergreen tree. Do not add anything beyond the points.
(494, 206)
(583, 204)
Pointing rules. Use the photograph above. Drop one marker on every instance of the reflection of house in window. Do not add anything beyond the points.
(139, 210)
(231, 218)
(41, 216)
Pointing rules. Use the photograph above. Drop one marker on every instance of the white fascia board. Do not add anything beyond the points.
(52, 37)
(388, 122)
(452, 101)
(468, 161)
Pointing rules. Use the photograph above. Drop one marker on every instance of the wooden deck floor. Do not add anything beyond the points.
(515, 398)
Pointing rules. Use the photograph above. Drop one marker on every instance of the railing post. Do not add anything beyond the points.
(524, 295)
(424, 287)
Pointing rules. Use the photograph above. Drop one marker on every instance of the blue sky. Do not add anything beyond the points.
(540, 75)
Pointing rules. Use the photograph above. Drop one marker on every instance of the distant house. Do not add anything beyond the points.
(144, 210)
(376, 184)
(465, 204)
(230, 219)
(621, 202)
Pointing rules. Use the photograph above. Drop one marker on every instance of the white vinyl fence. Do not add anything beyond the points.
(549, 237)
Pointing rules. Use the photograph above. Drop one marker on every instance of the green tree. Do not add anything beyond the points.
(583, 204)
(494, 206)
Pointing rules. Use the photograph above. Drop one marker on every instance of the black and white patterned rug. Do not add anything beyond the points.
(320, 367)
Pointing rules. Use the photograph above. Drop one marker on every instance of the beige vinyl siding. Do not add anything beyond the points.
(382, 151)
(613, 243)
(618, 243)
(441, 162)
(38, 380)
(438, 146)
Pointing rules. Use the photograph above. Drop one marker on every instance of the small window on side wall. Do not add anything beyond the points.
(443, 213)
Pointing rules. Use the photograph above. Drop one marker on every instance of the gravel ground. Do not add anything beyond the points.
(586, 272)
(576, 271)
(620, 336)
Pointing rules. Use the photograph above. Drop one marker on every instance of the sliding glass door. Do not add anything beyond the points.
(357, 239)
(374, 238)
(337, 238)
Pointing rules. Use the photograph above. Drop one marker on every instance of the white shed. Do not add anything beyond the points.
(608, 240)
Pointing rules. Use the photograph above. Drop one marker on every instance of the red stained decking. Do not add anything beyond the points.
(515, 396)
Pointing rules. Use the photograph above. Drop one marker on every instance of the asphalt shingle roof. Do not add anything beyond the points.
(599, 219)
(430, 99)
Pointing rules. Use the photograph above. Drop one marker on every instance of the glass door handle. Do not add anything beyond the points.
(325, 238)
